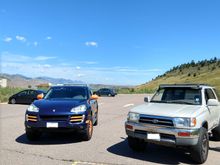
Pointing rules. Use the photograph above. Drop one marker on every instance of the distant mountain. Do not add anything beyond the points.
(59, 80)
(17, 80)
(205, 71)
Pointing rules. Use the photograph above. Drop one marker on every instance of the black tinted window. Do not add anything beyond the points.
(209, 94)
(67, 93)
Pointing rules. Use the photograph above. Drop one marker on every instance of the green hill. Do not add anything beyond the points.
(205, 72)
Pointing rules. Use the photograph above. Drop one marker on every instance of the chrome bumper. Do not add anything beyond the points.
(168, 135)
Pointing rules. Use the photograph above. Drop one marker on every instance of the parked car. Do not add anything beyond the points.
(25, 96)
(105, 92)
(70, 108)
(179, 115)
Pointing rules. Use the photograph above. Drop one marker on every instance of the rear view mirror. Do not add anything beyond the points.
(94, 97)
(147, 99)
(40, 96)
(213, 102)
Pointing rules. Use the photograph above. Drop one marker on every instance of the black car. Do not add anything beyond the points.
(63, 109)
(105, 92)
(25, 96)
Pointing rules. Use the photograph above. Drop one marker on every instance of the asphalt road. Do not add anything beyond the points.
(107, 146)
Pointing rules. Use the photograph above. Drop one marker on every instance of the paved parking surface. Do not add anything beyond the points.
(107, 146)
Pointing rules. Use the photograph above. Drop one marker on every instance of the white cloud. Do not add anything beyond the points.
(35, 43)
(43, 58)
(80, 75)
(89, 62)
(91, 43)
(48, 38)
(7, 39)
(78, 67)
(38, 66)
(20, 38)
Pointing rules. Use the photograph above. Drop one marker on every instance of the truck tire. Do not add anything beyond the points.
(87, 133)
(136, 144)
(32, 135)
(216, 132)
(199, 152)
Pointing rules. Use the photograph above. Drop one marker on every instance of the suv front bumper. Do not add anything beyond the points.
(168, 135)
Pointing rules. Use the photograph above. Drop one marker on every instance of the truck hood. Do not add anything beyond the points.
(168, 110)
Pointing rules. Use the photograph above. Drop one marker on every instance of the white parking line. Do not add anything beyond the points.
(128, 105)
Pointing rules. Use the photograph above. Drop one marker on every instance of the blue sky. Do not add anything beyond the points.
(125, 42)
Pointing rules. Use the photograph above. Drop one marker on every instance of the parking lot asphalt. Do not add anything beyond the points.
(107, 146)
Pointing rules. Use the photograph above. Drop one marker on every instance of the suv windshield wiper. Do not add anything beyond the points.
(180, 102)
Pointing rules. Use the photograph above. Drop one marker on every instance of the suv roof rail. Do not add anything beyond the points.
(183, 85)
(83, 85)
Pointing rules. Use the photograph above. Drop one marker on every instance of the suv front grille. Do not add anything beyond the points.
(156, 121)
(54, 117)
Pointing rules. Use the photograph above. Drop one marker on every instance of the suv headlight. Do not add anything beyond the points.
(32, 108)
(81, 108)
(184, 122)
(134, 117)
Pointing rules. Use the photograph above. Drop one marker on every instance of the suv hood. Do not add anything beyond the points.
(168, 110)
(61, 106)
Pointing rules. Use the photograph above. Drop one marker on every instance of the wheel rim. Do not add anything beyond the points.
(204, 146)
(13, 101)
(90, 127)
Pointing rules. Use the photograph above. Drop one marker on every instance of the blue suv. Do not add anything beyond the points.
(64, 108)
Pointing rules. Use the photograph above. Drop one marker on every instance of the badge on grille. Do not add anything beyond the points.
(155, 121)
(54, 110)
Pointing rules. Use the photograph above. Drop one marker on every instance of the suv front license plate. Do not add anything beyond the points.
(153, 136)
(52, 125)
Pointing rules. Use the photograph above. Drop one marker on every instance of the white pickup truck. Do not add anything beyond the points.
(179, 115)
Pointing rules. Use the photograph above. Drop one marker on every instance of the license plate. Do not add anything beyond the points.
(52, 125)
(153, 136)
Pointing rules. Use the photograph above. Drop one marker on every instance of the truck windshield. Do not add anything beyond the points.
(178, 96)
(67, 93)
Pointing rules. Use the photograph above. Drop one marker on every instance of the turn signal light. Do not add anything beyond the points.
(183, 134)
(129, 126)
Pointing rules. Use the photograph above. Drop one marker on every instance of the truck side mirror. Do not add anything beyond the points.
(146, 99)
(212, 102)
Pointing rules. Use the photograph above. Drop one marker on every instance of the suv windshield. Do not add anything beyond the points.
(178, 96)
(77, 93)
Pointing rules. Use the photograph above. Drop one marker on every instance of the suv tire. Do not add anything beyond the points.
(87, 133)
(199, 152)
(216, 132)
(136, 144)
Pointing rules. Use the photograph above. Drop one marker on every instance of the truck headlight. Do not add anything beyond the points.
(134, 117)
(81, 108)
(184, 122)
(32, 108)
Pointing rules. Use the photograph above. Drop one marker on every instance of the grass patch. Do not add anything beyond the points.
(5, 93)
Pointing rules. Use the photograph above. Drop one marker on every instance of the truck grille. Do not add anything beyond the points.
(54, 118)
(156, 121)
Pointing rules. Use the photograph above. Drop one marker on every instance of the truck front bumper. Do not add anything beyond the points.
(167, 135)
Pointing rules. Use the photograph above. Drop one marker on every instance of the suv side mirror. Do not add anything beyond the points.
(212, 102)
(94, 97)
(40, 96)
(147, 99)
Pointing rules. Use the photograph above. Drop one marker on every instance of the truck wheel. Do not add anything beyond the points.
(216, 133)
(33, 135)
(199, 152)
(87, 133)
(136, 144)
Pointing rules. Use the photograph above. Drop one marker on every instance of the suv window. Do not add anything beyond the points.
(178, 96)
(67, 93)
(209, 95)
